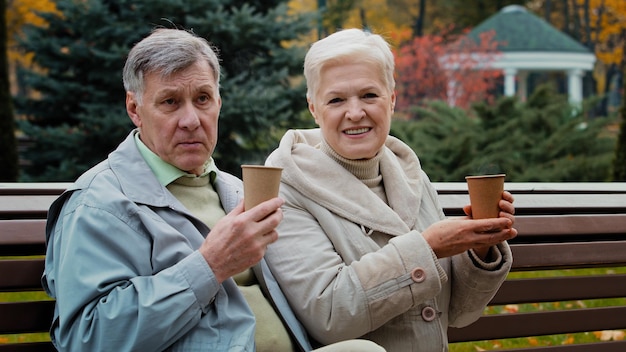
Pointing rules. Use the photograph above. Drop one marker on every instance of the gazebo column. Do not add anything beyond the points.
(522, 85)
(451, 91)
(509, 81)
(575, 86)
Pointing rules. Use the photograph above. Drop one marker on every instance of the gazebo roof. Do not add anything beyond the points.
(526, 43)
(517, 30)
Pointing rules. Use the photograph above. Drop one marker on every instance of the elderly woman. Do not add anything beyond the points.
(364, 249)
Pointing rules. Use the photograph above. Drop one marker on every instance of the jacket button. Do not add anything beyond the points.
(429, 313)
(418, 275)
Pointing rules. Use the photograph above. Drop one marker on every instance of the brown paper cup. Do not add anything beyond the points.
(485, 192)
(260, 183)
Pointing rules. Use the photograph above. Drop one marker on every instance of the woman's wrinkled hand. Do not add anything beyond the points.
(455, 236)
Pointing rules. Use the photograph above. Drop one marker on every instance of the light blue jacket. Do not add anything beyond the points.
(123, 266)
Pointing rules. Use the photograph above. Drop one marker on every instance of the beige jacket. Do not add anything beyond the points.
(340, 282)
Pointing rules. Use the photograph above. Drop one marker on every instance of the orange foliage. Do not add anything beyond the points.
(511, 308)
(608, 23)
(19, 13)
(608, 335)
(569, 340)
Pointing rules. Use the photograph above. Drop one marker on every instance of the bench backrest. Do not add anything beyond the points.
(23, 209)
(577, 225)
(561, 226)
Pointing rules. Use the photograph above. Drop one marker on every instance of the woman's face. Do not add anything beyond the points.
(353, 108)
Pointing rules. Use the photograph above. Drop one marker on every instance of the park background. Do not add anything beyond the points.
(62, 100)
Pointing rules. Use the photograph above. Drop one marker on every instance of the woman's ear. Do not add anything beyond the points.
(131, 109)
(312, 109)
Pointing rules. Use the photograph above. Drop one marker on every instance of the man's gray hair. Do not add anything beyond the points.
(166, 51)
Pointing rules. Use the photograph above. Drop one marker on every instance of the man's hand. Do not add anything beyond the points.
(240, 239)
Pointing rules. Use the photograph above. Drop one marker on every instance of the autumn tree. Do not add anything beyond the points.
(20, 13)
(597, 24)
(391, 19)
(429, 68)
(607, 35)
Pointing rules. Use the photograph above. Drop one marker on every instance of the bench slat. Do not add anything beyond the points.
(22, 237)
(571, 225)
(537, 204)
(17, 317)
(25, 207)
(554, 289)
(14, 232)
(504, 326)
(33, 188)
(541, 187)
(29, 278)
(540, 256)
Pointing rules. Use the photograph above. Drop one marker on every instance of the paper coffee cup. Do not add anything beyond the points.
(485, 192)
(260, 183)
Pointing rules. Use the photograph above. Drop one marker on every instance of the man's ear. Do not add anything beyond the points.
(131, 108)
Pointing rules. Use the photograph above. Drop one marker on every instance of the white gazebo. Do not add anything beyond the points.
(528, 43)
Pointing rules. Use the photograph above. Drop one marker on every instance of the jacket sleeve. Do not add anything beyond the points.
(475, 283)
(99, 266)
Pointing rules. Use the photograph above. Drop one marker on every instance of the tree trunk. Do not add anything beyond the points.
(547, 10)
(619, 163)
(8, 145)
(418, 28)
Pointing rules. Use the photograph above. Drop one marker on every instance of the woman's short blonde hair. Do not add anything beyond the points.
(348, 45)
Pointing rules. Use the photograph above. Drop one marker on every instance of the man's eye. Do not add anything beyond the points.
(170, 101)
(370, 95)
(203, 98)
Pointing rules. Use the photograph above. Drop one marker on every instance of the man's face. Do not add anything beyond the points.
(178, 116)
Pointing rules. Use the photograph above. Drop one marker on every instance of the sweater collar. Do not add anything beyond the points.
(366, 169)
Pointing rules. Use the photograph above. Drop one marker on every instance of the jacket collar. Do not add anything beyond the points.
(140, 185)
(321, 179)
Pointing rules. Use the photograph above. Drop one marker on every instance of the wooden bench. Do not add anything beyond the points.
(562, 226)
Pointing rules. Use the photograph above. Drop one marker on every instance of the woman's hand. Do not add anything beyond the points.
(454, 236)
(506, 207)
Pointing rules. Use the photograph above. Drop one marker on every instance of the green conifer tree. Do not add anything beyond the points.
(541, 140)
(78, 115)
